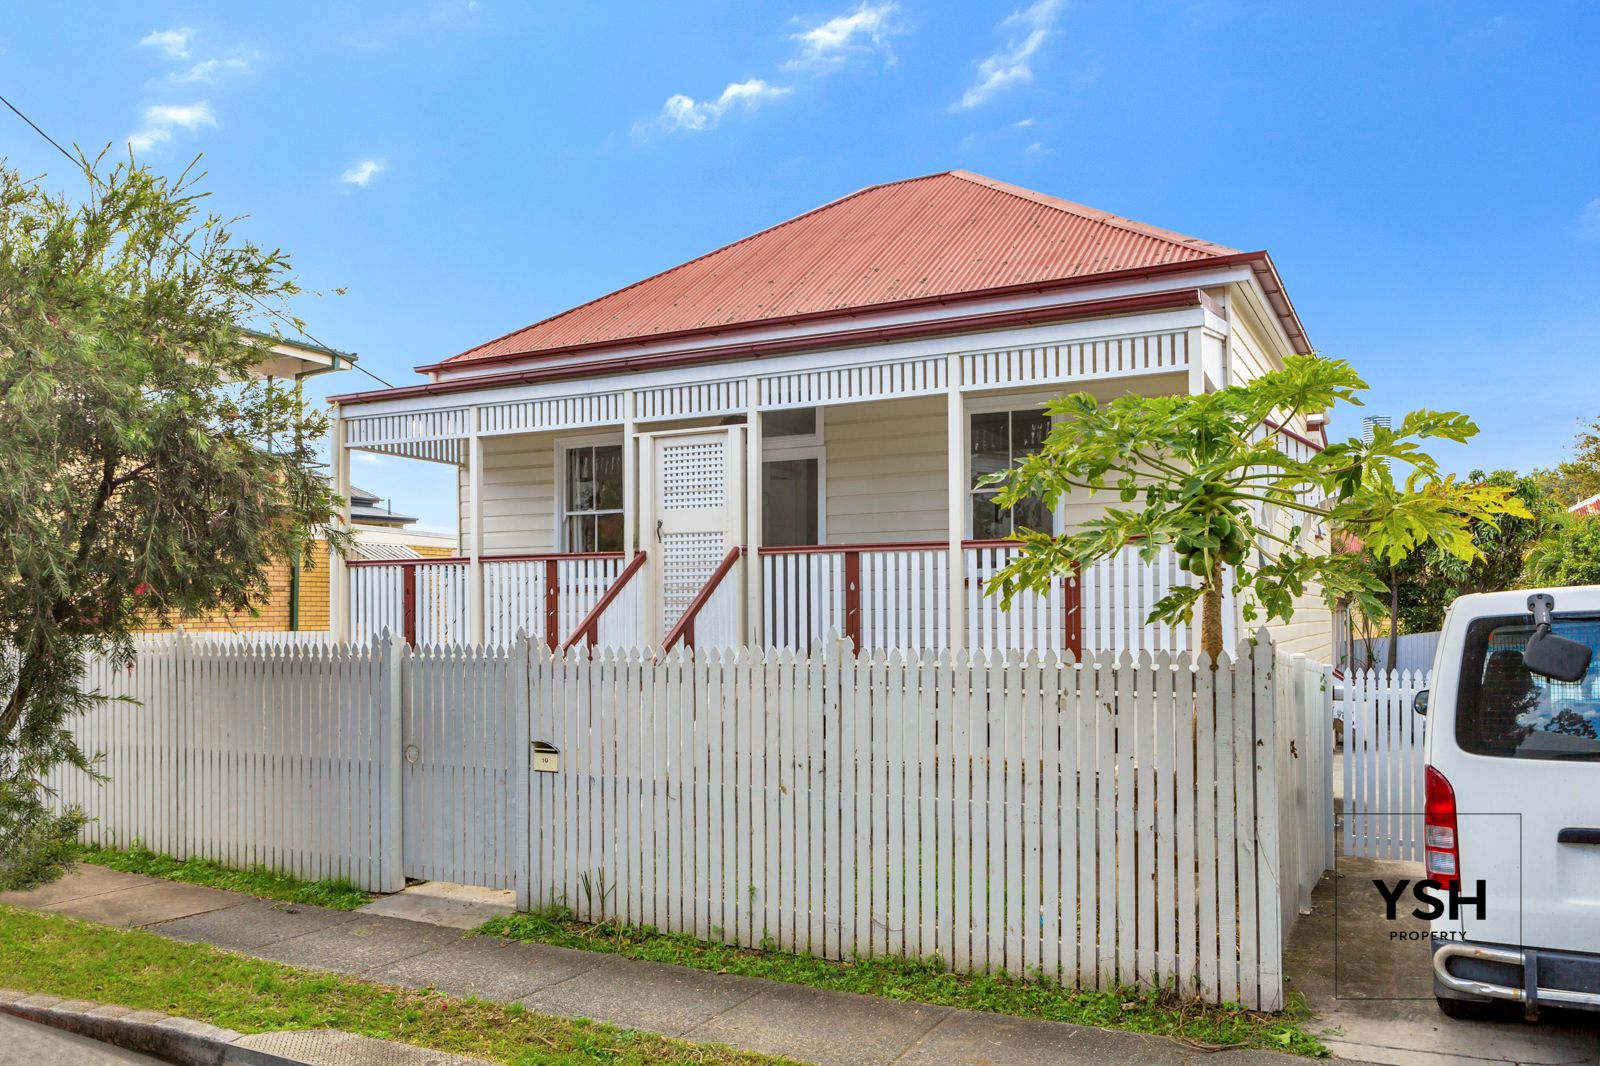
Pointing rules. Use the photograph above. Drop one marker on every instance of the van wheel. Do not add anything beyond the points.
(1476, 1010)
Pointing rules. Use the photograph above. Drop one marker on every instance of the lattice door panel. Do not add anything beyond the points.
(692, 475)
(687, 561)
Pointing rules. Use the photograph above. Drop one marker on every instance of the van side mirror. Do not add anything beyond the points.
(1419, 702)
(1549, 655)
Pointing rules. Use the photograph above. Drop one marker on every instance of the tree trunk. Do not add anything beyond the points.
(1394, 621)
(1211, 616)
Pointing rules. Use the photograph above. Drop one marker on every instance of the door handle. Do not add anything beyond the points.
(1578, 836)
(658, 530)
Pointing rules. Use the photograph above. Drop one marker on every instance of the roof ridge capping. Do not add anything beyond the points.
(1092, 213)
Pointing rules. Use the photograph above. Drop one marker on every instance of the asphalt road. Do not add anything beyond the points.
(40, 1045)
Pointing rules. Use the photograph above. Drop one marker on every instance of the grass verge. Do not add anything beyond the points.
(54, 955)
(1213, 1027)
(258, 880)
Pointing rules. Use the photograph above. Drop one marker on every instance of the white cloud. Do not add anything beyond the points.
(161, 120)
(820, 49)
(1589, 221)
(212, 71)
(1028, 29)
(861, 31)
(685, 113)
(174, 43)
(363, 172)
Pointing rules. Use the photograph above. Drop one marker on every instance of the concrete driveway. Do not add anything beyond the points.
(1370, 987)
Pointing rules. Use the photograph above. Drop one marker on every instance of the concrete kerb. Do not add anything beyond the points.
(179, 1040)
(187, 1042)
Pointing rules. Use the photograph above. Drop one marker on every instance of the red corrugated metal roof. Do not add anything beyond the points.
(940, 235)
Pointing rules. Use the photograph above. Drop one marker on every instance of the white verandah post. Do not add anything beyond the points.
(631, 500)
(630, 479)
(338, 573)
(475, 611)
(755, 633)
(956, 429)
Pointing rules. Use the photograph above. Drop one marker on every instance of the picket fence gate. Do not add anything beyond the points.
(1383, 764)
(1114, 822)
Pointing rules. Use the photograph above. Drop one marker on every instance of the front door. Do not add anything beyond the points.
(695, 488)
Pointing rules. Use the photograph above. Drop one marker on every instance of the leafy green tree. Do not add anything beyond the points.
(145, 471)
(1428, 580)
(1569, 556)
(1579, 479)
(1206, 475)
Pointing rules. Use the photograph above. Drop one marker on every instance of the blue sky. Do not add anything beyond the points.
(1427, 175)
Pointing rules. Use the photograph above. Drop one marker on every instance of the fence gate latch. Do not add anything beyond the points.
(546, 757)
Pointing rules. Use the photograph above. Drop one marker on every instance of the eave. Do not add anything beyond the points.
(797, 343)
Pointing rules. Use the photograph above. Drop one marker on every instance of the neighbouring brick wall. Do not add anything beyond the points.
(272, 613)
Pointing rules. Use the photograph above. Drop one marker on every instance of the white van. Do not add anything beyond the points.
(1513, 801)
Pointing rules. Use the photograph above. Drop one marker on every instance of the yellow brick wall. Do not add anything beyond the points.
(272, 613)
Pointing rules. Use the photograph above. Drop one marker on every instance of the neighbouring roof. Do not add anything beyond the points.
(365, 507)
(1586, 507)
(363, 549)
(296, 356)
(930, 237)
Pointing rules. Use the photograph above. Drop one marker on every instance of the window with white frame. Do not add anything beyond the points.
(998, 440)
(591, 501)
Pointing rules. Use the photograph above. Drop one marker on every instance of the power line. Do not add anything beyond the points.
(274, 312)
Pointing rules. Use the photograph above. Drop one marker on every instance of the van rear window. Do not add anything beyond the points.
(1506, 711)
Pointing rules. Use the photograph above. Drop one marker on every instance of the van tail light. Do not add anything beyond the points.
(1442, 844)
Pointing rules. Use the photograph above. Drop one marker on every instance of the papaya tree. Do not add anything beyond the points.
(146, 471)
(1210, 476)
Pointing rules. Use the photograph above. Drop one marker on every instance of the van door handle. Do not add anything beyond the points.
(1578, 836)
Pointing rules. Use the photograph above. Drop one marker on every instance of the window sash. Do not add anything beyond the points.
(996, 440)
(592, 498)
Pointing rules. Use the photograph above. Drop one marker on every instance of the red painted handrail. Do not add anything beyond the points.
(533, 557)
(885, 546)
(590, 626)
(684, 630)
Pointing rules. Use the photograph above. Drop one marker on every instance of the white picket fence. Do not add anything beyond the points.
(1383, 764)
(247, 753)
(1113, 822)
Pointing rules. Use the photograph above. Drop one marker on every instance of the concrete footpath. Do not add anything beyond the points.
(807, 1024)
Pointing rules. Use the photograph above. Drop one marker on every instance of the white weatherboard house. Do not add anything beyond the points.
(781, 439)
